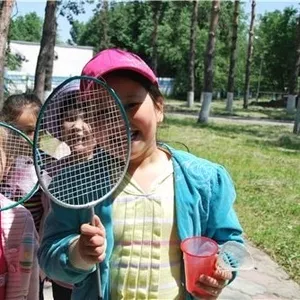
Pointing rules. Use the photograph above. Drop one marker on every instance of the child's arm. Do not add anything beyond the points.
(61, 229)
(28, 254)
(21, 254)
(223, 224)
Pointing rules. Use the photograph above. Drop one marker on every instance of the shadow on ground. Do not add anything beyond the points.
(265, 135)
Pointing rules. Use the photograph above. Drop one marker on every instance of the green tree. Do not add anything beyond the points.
(44, 66)
(294, 78)
(76, 31)
(158, 9)
(131, 27)
(249, 55)
(23, 28)
(5, 14)
(104, 23)
(233, 56)
(275, 39)
(194, 24)
(26, 28)
(208, 62)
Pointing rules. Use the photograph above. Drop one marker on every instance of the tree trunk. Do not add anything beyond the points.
(208, 63)
(50, 64)
(104, 23)
(156, 7)
(46, 50)
(49, 72)
(158, 10)
(294, 76)
(249, 55)
(6, 8)
(296, 129)
(190, 95)
(259, 77)
(233, 54)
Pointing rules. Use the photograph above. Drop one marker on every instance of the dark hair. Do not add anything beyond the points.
(152, 88)
(66, 109)
(69, 108)
(13, 106)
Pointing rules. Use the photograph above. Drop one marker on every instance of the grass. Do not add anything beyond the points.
(263, 161)
(218, 108)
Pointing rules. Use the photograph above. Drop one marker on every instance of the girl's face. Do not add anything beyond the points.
(78, 136)
(142, 114)
(26, 121)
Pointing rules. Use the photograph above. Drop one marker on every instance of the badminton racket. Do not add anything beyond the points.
(18, 180)
(83, 131)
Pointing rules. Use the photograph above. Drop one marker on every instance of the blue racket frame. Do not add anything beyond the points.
(37, 155)
(36, 187)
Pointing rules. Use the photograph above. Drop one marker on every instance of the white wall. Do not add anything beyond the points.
(70, 60)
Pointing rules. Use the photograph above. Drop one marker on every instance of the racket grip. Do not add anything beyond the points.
(100, 296)
(99, 285)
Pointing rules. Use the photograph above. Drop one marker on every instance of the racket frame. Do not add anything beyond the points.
(36, 186)
(36, 153)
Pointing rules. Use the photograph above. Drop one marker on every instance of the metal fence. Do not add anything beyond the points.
(20, 83)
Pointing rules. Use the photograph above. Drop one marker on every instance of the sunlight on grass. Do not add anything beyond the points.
(264, 163)
(218, 108)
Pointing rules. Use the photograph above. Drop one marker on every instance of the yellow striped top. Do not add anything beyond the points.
(146, 260)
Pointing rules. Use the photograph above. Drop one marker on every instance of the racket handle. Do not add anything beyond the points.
(100, 297)
(99, 289)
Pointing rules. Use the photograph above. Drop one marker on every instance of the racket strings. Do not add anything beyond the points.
(18, 178)
(85, 139)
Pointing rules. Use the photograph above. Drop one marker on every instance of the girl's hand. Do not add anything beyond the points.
(92, 242)
(213, 285)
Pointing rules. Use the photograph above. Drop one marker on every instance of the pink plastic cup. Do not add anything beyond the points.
(199, 254)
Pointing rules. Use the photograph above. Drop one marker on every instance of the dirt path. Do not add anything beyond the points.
(224, 119)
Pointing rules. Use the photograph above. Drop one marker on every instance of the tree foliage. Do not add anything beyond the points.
(5, 17)
(26, 28)
(44, 66)
(23, 28)
(131, 27)
(276, 44)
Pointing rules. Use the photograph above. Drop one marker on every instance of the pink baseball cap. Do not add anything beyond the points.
(116, 59)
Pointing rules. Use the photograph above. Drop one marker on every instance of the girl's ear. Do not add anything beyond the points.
(159, 106)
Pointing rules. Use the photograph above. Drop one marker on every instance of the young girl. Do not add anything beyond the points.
(166, 196)
(21, 111)
(77, 135)
(18, 245)
(70, 119)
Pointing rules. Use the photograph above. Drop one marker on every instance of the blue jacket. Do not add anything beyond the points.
(204, 196)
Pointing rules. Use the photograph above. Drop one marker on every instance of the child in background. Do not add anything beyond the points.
(19, 270)
(21, 111)
(78, 136)
(166, 196)
(73, 130)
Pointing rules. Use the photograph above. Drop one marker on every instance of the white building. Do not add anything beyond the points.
(69, 61)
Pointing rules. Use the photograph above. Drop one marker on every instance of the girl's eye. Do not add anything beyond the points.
(29, 132)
